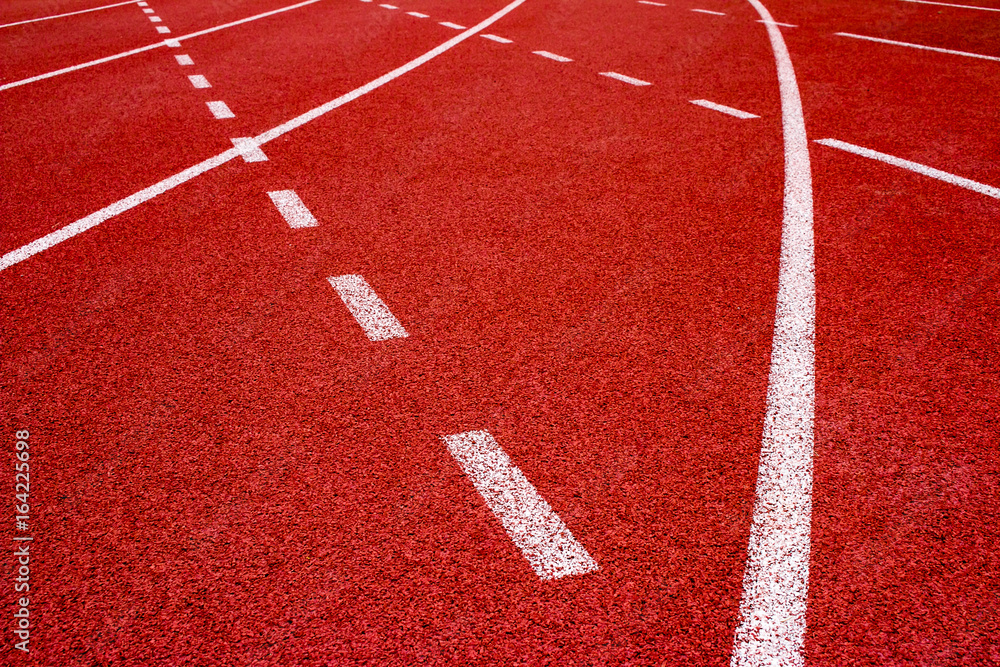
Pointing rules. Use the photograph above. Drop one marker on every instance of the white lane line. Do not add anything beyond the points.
(199, 81)
(946, 4)
(248, 148)
(918, 46)
(783, 25)
(552, 56)
(626, 79)
(501, 40)
(370, 311)
(772, 620)
(655, 4)
(981, 188)
(449, 24)
(708, 11)
(148, 11)
(172, 43)
(724, 109)
(389, 6)
(292, 209)
(220, 110)
(419, 15)
(184, 59)
(155, 19)
(169, 42)
(162, 29)
(534, 527)
(88, 222)
(59, 16)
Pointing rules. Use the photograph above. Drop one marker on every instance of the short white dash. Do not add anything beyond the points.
(220, 110)
(249, 149)
(184, 60)
(948, 4)
(156, 19)
(981, 188)
(918, 46)
(172, 43)
(366, 0)
(783, 25)
(389, 6)
(449, 24)
(147, 11)
(655, 4)
(199, 81)
(626, 79)
(292, 209)
(162, 29)
(418, 15)
(144, 4)
(534, 527)
(370, 311)
(724, 109)
(552, 56)
(708, 11)
(501, 40)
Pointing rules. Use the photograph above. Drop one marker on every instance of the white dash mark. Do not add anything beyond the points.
(199, 81)
(947, 4)
(184, 59)
(708, 11)
(419, 15)
(449, 24)
(162, 29)
(724, 109)
(172, 43)
(783, 25)
(147, 11)
(626, 79)
(501, 40)
(530, 522)
(655, 4)
(292, 209)
(144, 4)
(370, 311)
(366, 0)
(156, 19)
(918, 46)
(552, 56)
(248, 148)
(913, 166)
(220, 110)
(389, 6)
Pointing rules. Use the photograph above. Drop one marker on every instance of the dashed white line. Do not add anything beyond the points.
(918, 46)
(389, 6)
(708, 11)
(144, 4)
(59, 16)
(724, 109)
(534, 527)
(947, 4)
(155, 19)
(184, 59)
(626, 79)
(162, 29)
(981, 188)
(248, 148)
(783, 25)
(292, 209)
(199, 81)
(418, 15)
(449, 24)
(172, 43)
(370, 311)
(495, 38)
(220, 109)
(553, 56)
(655, 4)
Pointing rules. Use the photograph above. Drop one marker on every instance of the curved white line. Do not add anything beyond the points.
(772, 624)
(122, 205)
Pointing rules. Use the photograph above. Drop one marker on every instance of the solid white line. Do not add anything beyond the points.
(83, 224)
(724, 109)
(184, 60)
(292, 209)
(157, 45)
(706, 11)
(220, 110)
(370, 311)
(155, 19)
(626, 79)
(501, 40)
(199, 81)
(947, 4)
(655, 4)
(418, 15)
(981, 188)
(162, 29)
(552, 56)
(59, 16)
(449, 24)
(772, 620)
(783, 25)
(918, 46)
(534, 527)
(249, 149)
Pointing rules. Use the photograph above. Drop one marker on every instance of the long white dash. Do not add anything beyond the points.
(449, 24)
(772, 618)
(708, 11)
(199, 81)
(249, 149)
(626, 79)
(531, 523)
(553, 56)
(370, 311)
(975, 186)
(918, 46)
(184, 59)
(292, 209)
(724, 109)
(419, 15)
(59, 16)
(495, 38)
(647, 2)
(389, 6)
(220, 109)
(948, 4)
